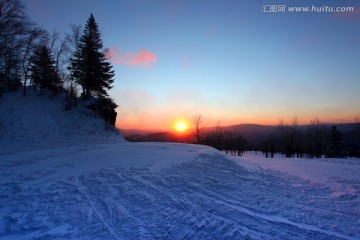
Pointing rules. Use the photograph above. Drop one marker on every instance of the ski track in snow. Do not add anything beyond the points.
(210, 197)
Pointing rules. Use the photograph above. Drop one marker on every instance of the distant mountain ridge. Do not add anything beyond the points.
(251, 132)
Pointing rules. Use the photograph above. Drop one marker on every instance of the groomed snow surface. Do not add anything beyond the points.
(106, 188)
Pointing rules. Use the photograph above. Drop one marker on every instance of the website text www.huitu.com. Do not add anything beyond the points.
(305, 9)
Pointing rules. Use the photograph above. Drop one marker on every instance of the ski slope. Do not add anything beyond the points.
(53, 186)
(166, 191)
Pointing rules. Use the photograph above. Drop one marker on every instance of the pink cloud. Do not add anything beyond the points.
(141, 58)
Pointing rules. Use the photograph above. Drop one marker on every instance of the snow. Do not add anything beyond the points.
(36, 122)
(59, 181)
(336, 174)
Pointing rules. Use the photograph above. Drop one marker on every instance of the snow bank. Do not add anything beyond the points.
(36, 122)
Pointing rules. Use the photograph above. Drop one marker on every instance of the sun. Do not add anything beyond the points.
(181, 126)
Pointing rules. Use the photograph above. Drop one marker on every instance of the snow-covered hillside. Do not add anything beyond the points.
(106, 188)
(35, 122)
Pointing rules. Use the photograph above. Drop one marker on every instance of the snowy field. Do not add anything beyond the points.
(66, 175)
(175, 191)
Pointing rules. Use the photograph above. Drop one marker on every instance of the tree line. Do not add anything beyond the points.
(314, 140)
(230, 142)
(292, 140)
(67, 63)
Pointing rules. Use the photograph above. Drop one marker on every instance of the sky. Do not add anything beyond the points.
(228, 60)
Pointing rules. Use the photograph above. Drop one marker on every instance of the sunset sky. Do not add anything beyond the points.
(223, 59)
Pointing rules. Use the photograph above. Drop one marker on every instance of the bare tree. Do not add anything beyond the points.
(34, 38)
(282, 127)
(218, 135)
(234, 143)
(68, 46)
(218, 127)
(13, 26)
(295, 122)
(74, 36)
(296, 138)
(357, 120)
(316, 137)
(291, 138)
(283, 135)
(53, 39)
(60, 54)
(215, 138)
(60, 48)
(199, 124)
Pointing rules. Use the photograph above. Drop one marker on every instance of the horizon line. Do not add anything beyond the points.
(232, 125)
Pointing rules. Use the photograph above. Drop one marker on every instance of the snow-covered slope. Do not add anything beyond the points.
(35, 122)
(165, 191)
(105, 188)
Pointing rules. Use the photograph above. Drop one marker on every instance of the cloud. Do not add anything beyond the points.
(143, 57)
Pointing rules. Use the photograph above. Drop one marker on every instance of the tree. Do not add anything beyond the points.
(283, 135)
(296, 138)
(59, 47)
(214, 138)
(35, 38)
(268, 145)
(88, 66)
(198, 123)
(218, 136)
(74, 36)
(19, 37)
(355, 143)
(357, 120)
(290, 138)
(336, 147)
(43, 72)
(13, 27)
(316, 136)
(71, 88)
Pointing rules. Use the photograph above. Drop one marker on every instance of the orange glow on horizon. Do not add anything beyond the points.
(182, 124)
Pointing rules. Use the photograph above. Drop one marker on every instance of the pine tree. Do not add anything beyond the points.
(88, 66)
(43, 73)
(336, 148)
